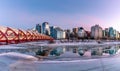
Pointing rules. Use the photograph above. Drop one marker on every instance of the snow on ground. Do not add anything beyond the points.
(18, 56)
(103, 64)
(9, 47)
(6, 59)
(17, 62)
(78, 44)
(37, 44)
(21, 62)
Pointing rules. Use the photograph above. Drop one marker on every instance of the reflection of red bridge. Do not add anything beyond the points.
(9, 35)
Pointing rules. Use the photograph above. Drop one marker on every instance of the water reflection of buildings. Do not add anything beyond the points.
(97, 51)
(75, 50)
(101, 51)
(81, 51)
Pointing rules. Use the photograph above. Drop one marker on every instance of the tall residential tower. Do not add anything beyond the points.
(96, 32)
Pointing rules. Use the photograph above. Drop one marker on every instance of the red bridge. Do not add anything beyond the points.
(9, 35)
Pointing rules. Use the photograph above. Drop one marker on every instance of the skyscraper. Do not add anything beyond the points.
(60, 34)
(96, 32)
(111, 32)
(57, 32)
(81, 32)
(52, 31)
(45, 28)
(106, 33)
(39, 28)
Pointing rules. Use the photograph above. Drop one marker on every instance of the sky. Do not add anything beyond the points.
(67, 14)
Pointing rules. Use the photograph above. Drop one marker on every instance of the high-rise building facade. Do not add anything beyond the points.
(52, 31)
(103, 32)
(67, 32)
(46, 28)
(39, 28)
(60, 34)
(75, 30)
(57, 33)
(111, 32)
(96, 32)
(106, 33)
(81, 32)
(117, 35)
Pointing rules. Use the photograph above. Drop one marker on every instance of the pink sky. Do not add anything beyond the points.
(62, 13)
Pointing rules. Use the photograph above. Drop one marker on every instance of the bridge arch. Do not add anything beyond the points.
(10, 35)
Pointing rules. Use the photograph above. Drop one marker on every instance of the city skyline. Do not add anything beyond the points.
(66, 14)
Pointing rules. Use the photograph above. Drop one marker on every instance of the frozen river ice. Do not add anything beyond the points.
(103, 64)
(60, 58)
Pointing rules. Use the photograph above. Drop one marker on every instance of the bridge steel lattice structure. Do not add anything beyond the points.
(10, 35)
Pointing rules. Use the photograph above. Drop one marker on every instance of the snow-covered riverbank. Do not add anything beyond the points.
(8, 59)
(21, 62)
(81, 44)
(38, 44)
(75, 44)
